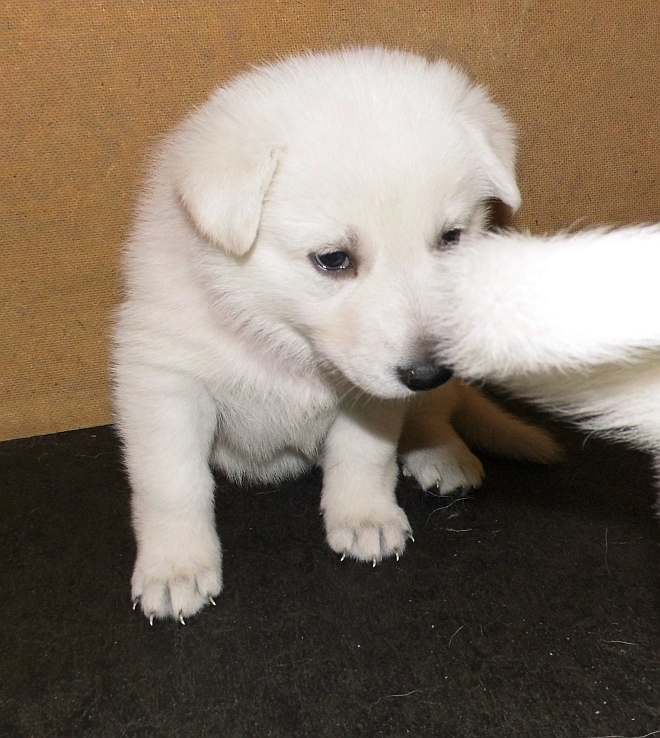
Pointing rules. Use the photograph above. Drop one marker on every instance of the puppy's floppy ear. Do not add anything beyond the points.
(222, 179)
(494, 139)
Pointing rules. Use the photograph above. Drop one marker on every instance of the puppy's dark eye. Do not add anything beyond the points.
(332, 261)
(450, 237)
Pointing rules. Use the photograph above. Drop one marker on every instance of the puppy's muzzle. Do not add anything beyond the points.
(424, 375)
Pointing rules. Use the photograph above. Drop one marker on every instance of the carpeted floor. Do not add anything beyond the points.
(530, 609)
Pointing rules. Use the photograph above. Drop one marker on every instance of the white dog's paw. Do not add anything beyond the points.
(446, 469)
(176, 579)
(370, 535)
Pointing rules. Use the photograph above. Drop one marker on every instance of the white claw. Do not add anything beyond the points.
(343, 556)
(396, 553)
(412, 537)
(135, 603)
(373, 563)
(181, 620)
(212, 601)
(151, 620)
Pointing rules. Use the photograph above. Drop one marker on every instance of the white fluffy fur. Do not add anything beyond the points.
(232, 349)
(572, 321)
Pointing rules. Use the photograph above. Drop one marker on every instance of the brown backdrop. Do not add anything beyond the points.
(87, 85)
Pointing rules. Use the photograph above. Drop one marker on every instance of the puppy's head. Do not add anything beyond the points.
(329, 187)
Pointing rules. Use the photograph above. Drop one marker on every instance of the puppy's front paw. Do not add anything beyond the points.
(446, 468)
(368, 535)
(175, 576)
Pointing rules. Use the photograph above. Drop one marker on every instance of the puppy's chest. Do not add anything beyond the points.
(265, 420)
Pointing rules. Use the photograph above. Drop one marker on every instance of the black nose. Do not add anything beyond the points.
(424, 376)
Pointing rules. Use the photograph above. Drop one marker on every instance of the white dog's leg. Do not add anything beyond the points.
(167, 423)
(448, 465)
(362, 517)
(431, 450)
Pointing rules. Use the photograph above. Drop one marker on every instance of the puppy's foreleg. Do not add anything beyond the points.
(362, 517)
(167, 423)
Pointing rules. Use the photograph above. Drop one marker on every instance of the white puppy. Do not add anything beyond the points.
(279, 311)
(571, 321)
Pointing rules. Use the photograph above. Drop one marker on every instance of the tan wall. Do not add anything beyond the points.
(86, 86)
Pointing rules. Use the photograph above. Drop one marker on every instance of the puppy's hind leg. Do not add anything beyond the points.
(431, 451)
(438, 457)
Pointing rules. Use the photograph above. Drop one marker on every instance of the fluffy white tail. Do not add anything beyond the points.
(516, 304)
(571, 321)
